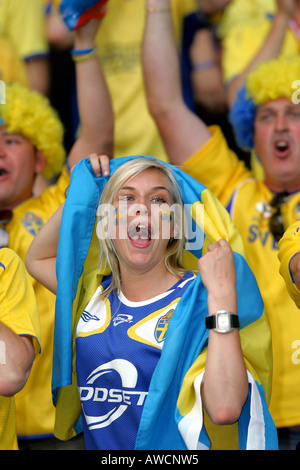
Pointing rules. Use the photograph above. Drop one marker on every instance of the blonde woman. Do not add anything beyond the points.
(121, 331)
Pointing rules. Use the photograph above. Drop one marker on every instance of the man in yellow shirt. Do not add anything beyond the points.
(271, 122)
(31, 143)
(120, 43)
(19, 339)
(272, 30)
(23, 25)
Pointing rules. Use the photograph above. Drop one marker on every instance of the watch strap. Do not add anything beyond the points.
(211, 323)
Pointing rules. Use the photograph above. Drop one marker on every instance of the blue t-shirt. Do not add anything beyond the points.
(118, 345)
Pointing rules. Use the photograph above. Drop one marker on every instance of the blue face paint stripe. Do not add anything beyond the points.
(2, 266)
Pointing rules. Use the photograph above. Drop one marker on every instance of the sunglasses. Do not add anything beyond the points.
(276, 220)
(5, 217)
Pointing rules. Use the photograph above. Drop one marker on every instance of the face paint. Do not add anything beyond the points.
(166, 215)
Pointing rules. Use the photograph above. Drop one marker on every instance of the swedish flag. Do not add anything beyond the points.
(172, 416)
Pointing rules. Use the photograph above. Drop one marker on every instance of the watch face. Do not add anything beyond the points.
(223, 322)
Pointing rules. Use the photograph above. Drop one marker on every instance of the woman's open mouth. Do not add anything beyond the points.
(139, 232)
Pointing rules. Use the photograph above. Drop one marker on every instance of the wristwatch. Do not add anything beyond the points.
(222, 322)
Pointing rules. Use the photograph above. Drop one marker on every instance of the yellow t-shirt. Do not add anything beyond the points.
(18, 311)
(241, 11)
(217, 167)
(12, 68)
(23, 24)
(120, 46)
(243, 41)
(35, 411)
(289, 245)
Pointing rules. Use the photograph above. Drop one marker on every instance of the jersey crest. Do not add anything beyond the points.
(32, 223)
(162, 326)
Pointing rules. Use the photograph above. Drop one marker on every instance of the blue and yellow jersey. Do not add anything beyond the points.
(18, 311)
(118, 345)
(247, 201)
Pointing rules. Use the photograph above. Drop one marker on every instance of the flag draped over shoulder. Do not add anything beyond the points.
(172, 416)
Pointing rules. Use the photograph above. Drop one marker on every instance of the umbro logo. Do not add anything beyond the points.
(87, 316)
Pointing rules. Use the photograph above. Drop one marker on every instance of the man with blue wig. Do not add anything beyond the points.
(266, 119)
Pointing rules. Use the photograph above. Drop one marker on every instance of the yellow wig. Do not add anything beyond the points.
(273, 80)
(29, 113)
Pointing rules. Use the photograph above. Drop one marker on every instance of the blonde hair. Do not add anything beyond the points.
(108, 253)
(29, 113)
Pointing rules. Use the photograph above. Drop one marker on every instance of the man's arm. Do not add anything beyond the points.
(289, 258)
(295, 269)
(183, 133)
(38, 71)
(16, 358)
(94, 103)
(19, 324)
